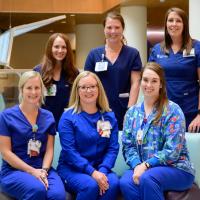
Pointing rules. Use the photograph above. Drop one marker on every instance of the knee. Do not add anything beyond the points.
(147, 180)
(124, 183)
(92, 186)
(37, 192)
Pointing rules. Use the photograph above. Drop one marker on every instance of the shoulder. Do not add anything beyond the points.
(173, 109)
(68, 114)
(97, 50)
(196, 44)
(10, 113)
(157, 47)
(37, 68)
(134, 110)
(130, 49)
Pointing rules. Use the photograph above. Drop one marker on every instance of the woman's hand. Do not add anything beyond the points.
(194, 126)
(101, 180)
(138, 171)
(41, 175)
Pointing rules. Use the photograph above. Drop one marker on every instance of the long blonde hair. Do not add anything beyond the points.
(102, 101)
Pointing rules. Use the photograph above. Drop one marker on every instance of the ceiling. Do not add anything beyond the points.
(155, 16)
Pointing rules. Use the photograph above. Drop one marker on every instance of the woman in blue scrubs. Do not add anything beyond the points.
(154, 144)
(26, 145)
(117, 65)
(179, 55)
(89, 139)
(58, 73)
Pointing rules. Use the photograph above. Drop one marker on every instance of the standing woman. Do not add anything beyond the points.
(117, 65)
(58, 73)
(179, 55)
(89, 139)
(154, 144)
(27, 145)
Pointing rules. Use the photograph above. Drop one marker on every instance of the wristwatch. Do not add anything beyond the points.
(198, 112)
(147, 165)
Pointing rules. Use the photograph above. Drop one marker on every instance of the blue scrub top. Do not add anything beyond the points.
(181, 76)
(83, 149)
(15, 125)
(117, 79)
(56, 104)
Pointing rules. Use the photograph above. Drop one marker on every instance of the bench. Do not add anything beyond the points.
(193, 143)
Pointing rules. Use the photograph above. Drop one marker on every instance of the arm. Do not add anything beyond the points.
(129, 149)
(67, 139)
(135, 88)
(112, 151)
(11, 158)
(48, 157)
(90, 62)
(174, 138)
(195, 124)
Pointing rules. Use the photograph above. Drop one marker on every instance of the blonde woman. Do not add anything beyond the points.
(89, 139)
(27, 144)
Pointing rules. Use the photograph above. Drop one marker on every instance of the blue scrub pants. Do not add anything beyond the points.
(24, 186)
(85, 187)
(154, 182)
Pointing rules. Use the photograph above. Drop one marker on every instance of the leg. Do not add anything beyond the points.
(129, 189)
(56, 190)
(113, 191)
(21, 185)
(159, 179)
(83, 185)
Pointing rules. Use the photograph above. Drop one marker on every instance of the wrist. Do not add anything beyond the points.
(46, 169)
(147, 165)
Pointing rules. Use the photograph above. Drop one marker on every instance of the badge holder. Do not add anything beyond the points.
(104, 128)
(33, 144)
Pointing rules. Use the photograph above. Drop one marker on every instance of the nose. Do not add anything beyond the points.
(149, 84)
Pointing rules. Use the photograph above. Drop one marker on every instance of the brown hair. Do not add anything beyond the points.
(117, 16)
(162, 99)
(49, 61)
(186, 38)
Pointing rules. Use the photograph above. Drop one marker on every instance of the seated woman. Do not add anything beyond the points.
(89, 139)
(27, 144)
(154, 144)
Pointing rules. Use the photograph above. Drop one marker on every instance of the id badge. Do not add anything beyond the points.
(139, 136)
(34, 147)
(192, 53)
(101, 66)
(51, 91)
(104, 127)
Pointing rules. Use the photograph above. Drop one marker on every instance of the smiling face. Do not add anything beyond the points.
(59, 49)
(113, 30)
(174, 25)
(32, 91)
(150, 84)
(88, 91)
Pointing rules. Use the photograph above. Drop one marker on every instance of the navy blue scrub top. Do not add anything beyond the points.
(181, 76)
(117, 79)
(56, 104)
(15, 125)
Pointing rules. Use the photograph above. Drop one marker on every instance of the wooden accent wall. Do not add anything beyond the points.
(57, 6)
